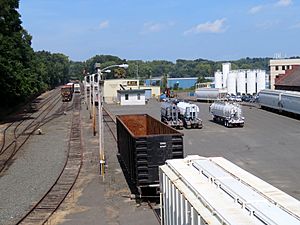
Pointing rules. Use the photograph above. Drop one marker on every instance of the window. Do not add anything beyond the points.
(139, 96)
(276, 68)
(283, 67)
(126, 96)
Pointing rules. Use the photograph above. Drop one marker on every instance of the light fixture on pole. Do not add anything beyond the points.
(100, 112)
(85, 91)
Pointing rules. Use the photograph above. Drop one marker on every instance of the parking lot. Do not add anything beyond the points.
(267, 146)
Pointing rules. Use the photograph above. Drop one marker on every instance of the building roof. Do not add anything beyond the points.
(132, 91)
(290, 78)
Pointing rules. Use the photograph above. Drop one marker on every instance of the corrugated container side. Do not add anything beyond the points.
(145, 143)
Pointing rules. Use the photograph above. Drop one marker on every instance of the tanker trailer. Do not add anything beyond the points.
(189, 113)
(228, 113)
(169, 114)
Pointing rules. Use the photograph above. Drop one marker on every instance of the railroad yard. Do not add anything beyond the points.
(267, 146)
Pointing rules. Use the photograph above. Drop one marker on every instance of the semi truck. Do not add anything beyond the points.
(169, 113)
(189, 114)
(230, 114)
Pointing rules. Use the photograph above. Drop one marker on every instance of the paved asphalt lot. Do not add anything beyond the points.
(268, 146)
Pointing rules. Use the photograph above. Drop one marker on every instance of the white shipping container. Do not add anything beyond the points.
(199, 190)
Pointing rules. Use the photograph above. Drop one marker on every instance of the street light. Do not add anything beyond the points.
(100, 112)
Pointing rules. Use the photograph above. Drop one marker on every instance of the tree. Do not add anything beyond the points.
(19, 78)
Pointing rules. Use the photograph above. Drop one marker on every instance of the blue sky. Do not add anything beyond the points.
(164, 29)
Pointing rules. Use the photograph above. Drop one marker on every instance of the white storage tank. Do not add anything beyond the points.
(198, 190)
(251, 82)
(231, 82)
(241, 82)
(261, 80)
(226, 67)
(218, 79)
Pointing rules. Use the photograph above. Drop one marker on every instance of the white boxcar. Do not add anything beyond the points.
(198, 190)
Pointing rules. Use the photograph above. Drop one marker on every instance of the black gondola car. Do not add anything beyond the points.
(145, 143)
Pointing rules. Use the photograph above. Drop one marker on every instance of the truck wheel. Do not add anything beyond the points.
(226, 123)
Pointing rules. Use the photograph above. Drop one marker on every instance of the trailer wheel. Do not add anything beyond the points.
(226, 123)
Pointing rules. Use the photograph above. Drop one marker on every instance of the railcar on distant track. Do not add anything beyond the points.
(280, 101)
(66, 93)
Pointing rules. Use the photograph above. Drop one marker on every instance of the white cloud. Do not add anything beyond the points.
(255, 9)
(283, 3)
(104, 24)
(209, 27)
(296, 26)
(151, 27)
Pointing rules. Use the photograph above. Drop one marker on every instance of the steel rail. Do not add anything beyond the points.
(50, 202)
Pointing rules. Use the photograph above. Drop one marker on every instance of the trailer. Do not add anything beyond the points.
(169, 113)
(145, 143)
(210, 94)
(198, 190)
(228, 113)
(189, 114)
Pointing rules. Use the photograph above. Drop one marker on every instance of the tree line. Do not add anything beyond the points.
(25, 73)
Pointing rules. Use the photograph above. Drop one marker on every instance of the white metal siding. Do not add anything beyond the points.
(202, 191)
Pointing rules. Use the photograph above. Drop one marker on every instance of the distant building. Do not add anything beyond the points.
(184, 83)
(131, 97)
(280, 66)
(113, 85)
(290, 80)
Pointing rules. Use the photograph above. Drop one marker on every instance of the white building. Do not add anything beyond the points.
(112, 86)
(279, 66)
(131, 97)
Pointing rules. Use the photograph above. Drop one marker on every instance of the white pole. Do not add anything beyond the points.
(90, 100)
(101, 127)
(94, 97)
(85, 92)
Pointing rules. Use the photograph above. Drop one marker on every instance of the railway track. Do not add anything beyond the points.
(23, 129)
(50, 202)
